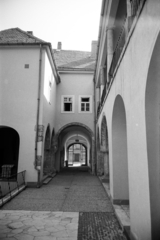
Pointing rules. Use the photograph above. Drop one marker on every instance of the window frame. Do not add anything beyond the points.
(90, 103)
(62, 103)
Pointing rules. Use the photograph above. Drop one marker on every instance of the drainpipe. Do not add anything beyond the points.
(38, 168)
(95, 138)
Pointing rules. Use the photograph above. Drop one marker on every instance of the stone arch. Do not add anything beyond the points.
(82, 156)
(47, 157)
(9, 151)
(98, 139)
(60, 136)
(74, 124)
(152, 116)
(119, 152)
(104, 146)
(53, 151)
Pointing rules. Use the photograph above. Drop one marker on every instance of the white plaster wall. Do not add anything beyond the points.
(48, 107)
(74, 84)
(18, 100)
(130, 82)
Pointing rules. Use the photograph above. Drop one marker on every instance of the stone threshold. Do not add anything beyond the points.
(48, 178)
(121, 210)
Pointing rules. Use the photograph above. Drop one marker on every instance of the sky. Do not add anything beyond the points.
(75, 23)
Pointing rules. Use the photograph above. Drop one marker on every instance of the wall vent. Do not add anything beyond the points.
(26, 66)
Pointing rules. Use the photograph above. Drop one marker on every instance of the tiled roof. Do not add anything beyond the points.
(18, 36)
(74, 60)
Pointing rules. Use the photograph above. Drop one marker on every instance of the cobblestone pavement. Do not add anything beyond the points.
(68, 191)
(99, 226)
(72, 206)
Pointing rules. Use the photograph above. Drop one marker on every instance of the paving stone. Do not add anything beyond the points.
(52, 211)
(15, 225)
(99, 226)
(45, 238)
(23, 237)
(40, 233)
(7, 238)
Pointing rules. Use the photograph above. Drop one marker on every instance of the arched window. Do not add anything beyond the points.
(9, 151)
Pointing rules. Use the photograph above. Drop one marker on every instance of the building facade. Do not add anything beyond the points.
(127, 101)
(46, 113)
(28, 79)
(75, 107)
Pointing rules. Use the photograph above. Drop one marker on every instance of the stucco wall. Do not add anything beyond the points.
(74, 84)
(49, 105)
(130, 84)
(18, 100)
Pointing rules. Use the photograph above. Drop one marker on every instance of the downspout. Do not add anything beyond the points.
(95, 137)
(36, 165)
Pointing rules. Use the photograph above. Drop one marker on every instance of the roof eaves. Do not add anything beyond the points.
(75, 69)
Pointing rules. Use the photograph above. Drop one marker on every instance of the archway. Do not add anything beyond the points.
(152, 113)
(75, 130)
(47, 157)
(119, 153)
(77, 154)
(9, 151)
(104, 147)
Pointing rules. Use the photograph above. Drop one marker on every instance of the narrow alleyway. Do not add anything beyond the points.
(73, 197)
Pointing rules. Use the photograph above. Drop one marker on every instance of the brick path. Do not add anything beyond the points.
(47, 213)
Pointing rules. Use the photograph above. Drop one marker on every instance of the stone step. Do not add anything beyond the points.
(47, 180)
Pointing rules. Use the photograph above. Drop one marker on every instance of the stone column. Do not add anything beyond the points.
(109, 32)
(93, 163)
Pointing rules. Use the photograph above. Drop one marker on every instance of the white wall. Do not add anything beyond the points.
(18, 100)
(130, 83)
(74, 84)
(48, 110)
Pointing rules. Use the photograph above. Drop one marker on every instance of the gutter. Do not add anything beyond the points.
(36, 165)
(95, 140)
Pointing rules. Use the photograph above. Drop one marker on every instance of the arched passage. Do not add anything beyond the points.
(76, 131)
(47, 157)
(104, 146)
(119, 152)
(9, 151)
(77, 154)
(152, 111)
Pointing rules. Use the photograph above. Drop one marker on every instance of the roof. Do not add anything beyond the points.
(74, 60)
(18, 36)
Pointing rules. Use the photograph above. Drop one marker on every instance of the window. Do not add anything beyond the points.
(48, 84)
(67, 104)
(85, 104)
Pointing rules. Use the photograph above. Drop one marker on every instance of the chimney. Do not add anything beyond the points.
(59, 46)
(30, 32)
(94, 49)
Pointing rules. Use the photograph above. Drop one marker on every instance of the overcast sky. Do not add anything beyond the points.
(73, 22)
